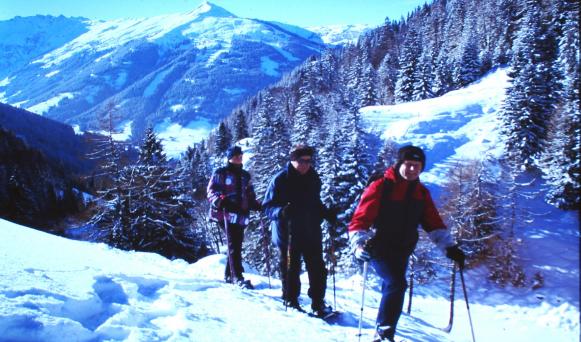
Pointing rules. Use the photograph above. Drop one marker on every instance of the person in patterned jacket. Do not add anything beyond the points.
(395, 205)
(232, 196)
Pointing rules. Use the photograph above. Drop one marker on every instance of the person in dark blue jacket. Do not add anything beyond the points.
(293, 204)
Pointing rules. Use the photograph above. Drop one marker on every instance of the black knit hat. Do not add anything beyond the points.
(301, 150)
(233, 151)
(411, 152)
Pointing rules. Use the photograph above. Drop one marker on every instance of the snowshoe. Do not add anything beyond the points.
(321, 310)
(245, 284)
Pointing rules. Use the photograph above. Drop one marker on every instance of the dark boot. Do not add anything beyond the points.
(320, 309)
(294, 304)
(245, 284)
(386, 333)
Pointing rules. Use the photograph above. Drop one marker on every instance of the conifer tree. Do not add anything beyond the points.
(409, 61)
(530, 99)
(423, 80)
(223, 139)
(240, 126)
(306, 119)
(562, 156)
(470, 66)
(161, 214)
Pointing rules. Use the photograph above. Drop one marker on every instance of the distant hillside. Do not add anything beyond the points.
(33, 189)
(57, 141)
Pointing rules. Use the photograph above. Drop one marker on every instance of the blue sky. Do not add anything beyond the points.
(297, 12)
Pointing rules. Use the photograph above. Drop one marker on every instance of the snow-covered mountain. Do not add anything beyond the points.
(340, 34)
(189, 68)
(23, 39)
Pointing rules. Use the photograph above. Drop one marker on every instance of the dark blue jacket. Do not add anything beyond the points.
(303, 194)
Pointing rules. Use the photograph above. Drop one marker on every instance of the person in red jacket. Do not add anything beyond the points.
(395, 205)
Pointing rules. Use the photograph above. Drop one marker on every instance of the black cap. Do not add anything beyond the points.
(411, 152)
(301, 150)
(233, 151)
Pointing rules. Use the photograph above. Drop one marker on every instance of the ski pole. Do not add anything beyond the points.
(467, 306)
(288, 266)
(365, 266)
(267, 250)
(411, 292)
(229, 251)
(333, 263)
(452, 295)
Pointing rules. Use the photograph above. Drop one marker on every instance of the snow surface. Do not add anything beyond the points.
(55, 289)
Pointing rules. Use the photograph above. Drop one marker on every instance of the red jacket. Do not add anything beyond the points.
(395, 218)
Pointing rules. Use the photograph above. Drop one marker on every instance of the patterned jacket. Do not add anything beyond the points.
(232, 183)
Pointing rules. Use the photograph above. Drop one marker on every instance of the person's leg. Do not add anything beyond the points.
(227, 274)
(290, 276)
(236, 238)
(317, 276)
(392, 270)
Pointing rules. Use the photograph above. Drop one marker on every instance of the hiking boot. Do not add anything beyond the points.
(320, 309)
(385, 333)
(294, 304)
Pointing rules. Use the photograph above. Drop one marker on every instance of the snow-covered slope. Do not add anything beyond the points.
(460, 124)
(25, 39)
(52, 289)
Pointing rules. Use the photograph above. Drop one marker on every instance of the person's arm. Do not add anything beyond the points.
(432, 223)
(215, 190)
(365, 214)
(273, 201)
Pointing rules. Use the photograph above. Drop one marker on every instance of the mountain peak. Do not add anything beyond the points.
(208, 9)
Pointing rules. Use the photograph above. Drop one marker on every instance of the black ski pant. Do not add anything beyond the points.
(290, 270)
(235, 235)
(392, 270)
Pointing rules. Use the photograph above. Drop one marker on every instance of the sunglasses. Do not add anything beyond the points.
(304, 161)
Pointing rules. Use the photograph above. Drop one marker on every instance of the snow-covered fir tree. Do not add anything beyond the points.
(531, 98)
(223, 139)
(409, 62)
(240, 127)
(562, 156)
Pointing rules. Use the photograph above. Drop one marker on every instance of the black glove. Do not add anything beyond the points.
(456, 254)
(229, 205)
